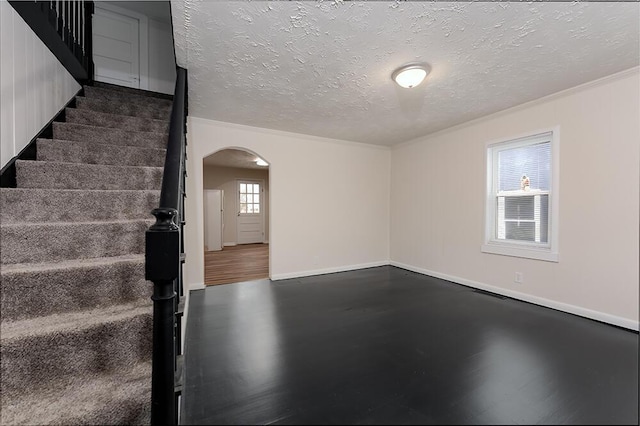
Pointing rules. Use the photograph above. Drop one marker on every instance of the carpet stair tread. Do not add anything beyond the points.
(76, 344)
(103, 119)
(90, 134)
(71, 322)
(57, 150)
(21, 205)
(18, 268)
(29, 290)
(133, 109)
(95, 92)
(120, 398)
(59, 241)
(101, 85)
(58, 175)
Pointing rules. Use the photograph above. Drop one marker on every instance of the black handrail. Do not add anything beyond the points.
(64, 26)
(171, 180)
(163, 264)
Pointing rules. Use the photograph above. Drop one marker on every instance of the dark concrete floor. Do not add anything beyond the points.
(389, 346)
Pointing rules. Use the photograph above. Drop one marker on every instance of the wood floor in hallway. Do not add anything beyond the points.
(234, 264)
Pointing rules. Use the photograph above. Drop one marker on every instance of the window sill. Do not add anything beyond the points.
(518, 251)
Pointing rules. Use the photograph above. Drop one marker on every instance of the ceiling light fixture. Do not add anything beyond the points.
(261, 162)
(410, 75)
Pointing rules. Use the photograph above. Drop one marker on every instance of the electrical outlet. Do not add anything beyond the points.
(519, 278)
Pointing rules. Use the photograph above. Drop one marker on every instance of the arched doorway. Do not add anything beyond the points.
(236, 217)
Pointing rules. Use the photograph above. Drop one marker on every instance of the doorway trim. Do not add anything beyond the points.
(143, 39)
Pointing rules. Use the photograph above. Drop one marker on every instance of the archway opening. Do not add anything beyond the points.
(236, 217)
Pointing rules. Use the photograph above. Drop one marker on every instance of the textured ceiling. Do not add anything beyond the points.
(233, 158)
(323, 67)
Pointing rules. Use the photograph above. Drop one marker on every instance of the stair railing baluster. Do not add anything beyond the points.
(59, 24)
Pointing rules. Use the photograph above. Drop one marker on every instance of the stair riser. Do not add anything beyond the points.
(102, 135)
(63, 241)
(39, 293)
(34, 174)
(124, 122)
(102, 349)
(121, 94)
(146, 110)
(80, 152)
(41, 205)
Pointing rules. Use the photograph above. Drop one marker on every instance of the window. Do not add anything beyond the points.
(249, 198)
(522, 197)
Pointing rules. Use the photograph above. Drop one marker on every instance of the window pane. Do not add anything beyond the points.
(256, 198)
(520, 208)
(249, 198)
(514, 213)
(243, 187)
(250, 208)
(531, 162)
(256, 208)
(243, 198)
(522, 231)
(256, 188)
(243, 208)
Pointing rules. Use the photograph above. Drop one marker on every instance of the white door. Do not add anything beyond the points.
(250, 212)
(213, 222)
(116, 52)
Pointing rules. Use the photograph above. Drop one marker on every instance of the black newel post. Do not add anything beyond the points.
(162, 267)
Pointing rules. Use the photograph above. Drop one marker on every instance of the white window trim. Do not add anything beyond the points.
(548, 252)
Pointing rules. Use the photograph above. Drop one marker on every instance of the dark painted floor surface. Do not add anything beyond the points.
(389, 346)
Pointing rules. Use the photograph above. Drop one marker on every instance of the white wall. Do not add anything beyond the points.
(162, 65)
(437, 203)
(35, 85)
(225, 178)
(329, 200)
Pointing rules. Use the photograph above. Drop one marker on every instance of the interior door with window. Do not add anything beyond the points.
(250, 222)
(116, 52)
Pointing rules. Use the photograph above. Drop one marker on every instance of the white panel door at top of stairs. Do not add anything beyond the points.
(116, 48)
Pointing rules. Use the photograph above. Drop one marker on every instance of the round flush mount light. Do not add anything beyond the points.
(261, 162)
(410, 75)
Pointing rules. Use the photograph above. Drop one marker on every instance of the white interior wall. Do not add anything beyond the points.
(225, 178)
(437, 203)
(329, 200)
(162, 65)
(35, 85)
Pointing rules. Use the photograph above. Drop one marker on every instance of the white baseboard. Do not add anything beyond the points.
(565, 307)
(196, 286)
(299, 274)
(229, 244)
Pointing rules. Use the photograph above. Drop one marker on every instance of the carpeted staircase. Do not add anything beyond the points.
(76, 310)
